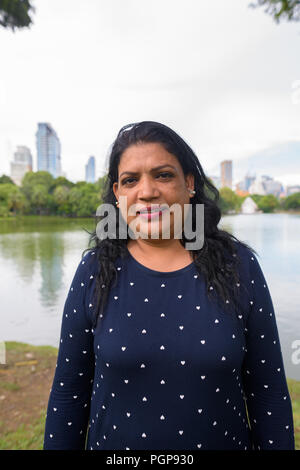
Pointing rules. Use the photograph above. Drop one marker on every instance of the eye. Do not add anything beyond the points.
(167, 175)
(126, 181)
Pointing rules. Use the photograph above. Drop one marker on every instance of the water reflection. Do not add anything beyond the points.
(40, 253)
(51, 255)
(35, 262)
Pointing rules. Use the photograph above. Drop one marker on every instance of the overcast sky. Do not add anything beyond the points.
(219, 73)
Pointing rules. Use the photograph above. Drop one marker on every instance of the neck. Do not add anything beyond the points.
(150, 247)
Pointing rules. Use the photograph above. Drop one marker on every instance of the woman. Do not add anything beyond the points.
(163, 347)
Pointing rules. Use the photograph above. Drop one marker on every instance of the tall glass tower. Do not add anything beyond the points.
(48, 150)
(90, 170)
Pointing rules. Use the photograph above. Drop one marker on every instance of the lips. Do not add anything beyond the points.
(151, 209)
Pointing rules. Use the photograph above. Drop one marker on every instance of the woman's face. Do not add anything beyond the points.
(144, 184)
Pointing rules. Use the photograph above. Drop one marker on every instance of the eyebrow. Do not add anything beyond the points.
(153, 169)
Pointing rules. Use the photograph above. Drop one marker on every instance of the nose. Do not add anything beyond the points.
(147, 188)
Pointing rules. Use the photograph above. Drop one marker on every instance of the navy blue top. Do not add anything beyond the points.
(166, 368)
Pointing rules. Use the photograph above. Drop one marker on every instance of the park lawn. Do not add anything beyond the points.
(25, 383)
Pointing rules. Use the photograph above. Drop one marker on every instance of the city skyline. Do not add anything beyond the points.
(222, 75)
(48, 148)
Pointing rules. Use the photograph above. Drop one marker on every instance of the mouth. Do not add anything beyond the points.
(149, 212)
(152, 208)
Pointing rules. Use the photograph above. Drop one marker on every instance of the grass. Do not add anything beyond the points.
(25, 437)
(294, 389)
(25, 382)
(24, 393)
(10, 386)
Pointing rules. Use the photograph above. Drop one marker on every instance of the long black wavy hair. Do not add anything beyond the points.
(217, 260)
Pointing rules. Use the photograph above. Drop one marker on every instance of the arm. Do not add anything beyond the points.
(265, 386)
(70, 395)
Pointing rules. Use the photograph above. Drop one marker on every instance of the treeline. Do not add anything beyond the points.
(41, 194)
(232, 202)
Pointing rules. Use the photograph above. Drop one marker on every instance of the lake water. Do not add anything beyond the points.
(39, 256)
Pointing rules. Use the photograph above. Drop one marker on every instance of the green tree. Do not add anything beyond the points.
(100, 183)
(36, 188)
(84, 199)
(61, 181)
(31, 179)
(268, 203)
(229, 200)
(12, 200)
(280, 9)
(16, 14)
(6, 179)
(40, 200)
(292, 201)
(61, 196)
(78, 184)
(74, 200)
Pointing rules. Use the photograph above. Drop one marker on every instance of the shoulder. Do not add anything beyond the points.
(89, 258)
(251, 269)
(87, 267)
(248, 261)
(244, 252)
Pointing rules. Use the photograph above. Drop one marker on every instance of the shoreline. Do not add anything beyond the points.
(25, 382)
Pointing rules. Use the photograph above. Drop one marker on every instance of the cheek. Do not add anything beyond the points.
(175, 192)
(181, 197)
(124, 209)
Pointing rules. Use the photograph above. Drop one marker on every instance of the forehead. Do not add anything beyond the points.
(144, 156)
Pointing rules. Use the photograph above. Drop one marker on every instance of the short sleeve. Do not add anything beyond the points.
(70, 395)
(264, 381)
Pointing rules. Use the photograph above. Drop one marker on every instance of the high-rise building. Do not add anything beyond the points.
(248, 180)
(48, 150)
(90, 170)
(226, 173)
(21, 163)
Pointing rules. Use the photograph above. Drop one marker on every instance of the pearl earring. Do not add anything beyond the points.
(192, 191)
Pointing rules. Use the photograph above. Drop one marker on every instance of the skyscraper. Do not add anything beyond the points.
(21, 164)
(90, 170)
(48, 150)
(226, 173)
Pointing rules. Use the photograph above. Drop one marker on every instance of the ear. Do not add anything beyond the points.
(190, 181)
(115, 190)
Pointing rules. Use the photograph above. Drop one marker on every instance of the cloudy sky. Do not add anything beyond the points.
(221, 74)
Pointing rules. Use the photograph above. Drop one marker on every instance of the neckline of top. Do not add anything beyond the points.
(153, 272)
